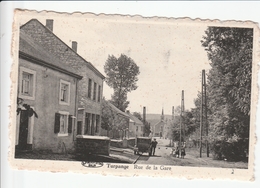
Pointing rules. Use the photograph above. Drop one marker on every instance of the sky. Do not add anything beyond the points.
(168, 53)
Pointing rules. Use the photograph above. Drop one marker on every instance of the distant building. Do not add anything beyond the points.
(163, 128)
(50, 88)
(136, 126)
(157, 129)
(167, 130)
(90, 88)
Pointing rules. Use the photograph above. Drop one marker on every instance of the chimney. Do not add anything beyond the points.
(173, 113)
(49, 24)
(144, 114)
(74, 46)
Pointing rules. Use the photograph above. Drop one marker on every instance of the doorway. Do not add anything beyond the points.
(23, 130)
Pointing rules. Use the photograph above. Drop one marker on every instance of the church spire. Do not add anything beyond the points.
(162, 116)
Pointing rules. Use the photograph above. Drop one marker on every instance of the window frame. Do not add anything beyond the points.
(30, 72)
(68, 96)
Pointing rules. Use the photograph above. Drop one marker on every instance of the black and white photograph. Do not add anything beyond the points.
(127, 92)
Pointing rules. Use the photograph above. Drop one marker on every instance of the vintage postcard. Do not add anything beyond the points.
(127, 95)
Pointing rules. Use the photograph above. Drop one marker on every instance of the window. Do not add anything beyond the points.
(99, 93)
(79, 128)
(89, 88)
(64, 92)
(93, 124)
(95, 91)
(87, 123)
(27, 83)
(63, 123)
(97, 122)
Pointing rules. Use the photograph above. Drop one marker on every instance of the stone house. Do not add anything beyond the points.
(117, 121)
(158, 128)
(51, 90)
(167, 129)
(90, 87)
(136, 126)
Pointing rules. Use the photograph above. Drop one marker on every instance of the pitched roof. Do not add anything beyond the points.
(159, 123)
(34, 52)
(119, 112)
(135, 119)
(89, 65)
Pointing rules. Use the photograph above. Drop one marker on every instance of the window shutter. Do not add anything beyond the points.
(70, 124)
(57, 123)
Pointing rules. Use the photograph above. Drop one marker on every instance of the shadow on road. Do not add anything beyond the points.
(156, 156)
(146, 157)
(143, 158)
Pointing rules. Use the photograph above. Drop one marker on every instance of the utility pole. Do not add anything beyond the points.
(206, 116)
(182, 111)
(180, 129)
(171, 139)
(172, 113)
(144, 116)
(203, 114)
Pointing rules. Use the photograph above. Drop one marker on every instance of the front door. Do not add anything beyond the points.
(23, 130)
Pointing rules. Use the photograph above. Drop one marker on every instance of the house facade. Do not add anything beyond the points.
(136, 127)
(167, 130)
(90, 87)
(115, 122)
(157, 129)
(50, 89)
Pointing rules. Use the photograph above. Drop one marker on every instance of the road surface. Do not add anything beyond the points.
(163, 157)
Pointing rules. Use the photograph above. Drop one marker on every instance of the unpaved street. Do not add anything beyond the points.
(163, 157)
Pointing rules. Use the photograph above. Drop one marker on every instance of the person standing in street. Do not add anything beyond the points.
(177, 152)
(153, 146)
(183, 153)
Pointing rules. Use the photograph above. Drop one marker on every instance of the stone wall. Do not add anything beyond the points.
(130, 142)
(117, 143)
(92, 145)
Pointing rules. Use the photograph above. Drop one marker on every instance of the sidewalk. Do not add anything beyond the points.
(117, 155)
